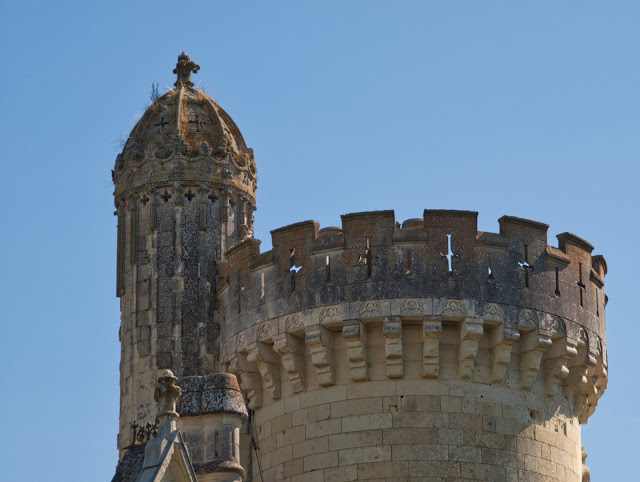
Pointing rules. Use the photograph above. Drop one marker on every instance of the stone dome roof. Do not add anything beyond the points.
(182, 129)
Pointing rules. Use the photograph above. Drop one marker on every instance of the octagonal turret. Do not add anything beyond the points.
(184, 193)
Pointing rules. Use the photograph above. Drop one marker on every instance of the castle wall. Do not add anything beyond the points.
(415, 427)
(378, 356)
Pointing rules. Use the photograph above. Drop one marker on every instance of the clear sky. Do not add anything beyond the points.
(529, 109)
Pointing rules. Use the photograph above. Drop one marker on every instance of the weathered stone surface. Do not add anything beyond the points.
(215, 393)
(424, 350)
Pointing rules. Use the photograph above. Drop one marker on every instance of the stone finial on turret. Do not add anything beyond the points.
(184, 68)
(167, 394)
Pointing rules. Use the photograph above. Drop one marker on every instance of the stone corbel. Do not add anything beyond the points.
(578, 386)
(601, 374)
(592, 396)
(250, 381)
(354, 334)
(291, 351)
(502, 339)
(533, 345)
(320, 341)
(470, 332)
(431, 331)
(263, 356)
(555, 363)
(392, 331)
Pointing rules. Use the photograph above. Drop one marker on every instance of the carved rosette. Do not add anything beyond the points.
(453, 310)
(370, 310)
(330, 314)
(411, 309)
(294, 324)
(528, 320)
(493, 312)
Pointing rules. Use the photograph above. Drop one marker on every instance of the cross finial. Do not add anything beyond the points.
(183, 69)
(167, 394)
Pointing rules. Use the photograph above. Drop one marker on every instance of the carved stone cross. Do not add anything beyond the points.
(368, 257)
(161, 124)
(526, 266)
(198, 122)
(183, 69)
(450, 254)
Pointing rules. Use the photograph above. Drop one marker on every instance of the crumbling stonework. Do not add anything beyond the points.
(376, 350)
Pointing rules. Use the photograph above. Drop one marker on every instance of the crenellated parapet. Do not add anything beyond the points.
(332, 305)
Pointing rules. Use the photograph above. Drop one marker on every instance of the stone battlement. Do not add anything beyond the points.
(433, 282)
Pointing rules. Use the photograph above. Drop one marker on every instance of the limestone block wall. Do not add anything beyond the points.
(418, 429)
(422, 350)
(170, 237)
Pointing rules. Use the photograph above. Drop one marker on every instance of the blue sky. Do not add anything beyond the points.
(500, 107)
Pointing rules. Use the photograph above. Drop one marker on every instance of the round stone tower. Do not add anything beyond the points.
(184, 193)
(425, 351)
(376, 350)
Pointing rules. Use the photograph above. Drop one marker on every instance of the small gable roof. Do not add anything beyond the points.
(130, 466)
(159, 460)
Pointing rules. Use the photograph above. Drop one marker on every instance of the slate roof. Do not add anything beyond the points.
(130, 466)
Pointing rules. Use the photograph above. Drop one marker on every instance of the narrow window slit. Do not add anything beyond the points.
(239, 289)
(368, 257)
(327, 264)
(409, 262)
(293, 269)
(581, 285)
(557, 282)
(526, 266)
(489, 269)
(233, 444)
(261, 286)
